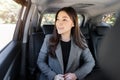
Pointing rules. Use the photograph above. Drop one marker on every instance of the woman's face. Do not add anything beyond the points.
(63, 23)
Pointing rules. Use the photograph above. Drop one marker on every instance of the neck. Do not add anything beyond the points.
(65, 37)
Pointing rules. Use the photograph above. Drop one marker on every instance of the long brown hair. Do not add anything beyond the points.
(78, 37)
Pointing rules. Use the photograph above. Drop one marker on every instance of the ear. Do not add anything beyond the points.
(72, 24)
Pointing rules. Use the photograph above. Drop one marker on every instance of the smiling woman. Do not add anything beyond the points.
(9, 11)
(65, 48)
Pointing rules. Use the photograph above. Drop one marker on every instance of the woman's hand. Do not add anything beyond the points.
(70, 76)
(59, 77)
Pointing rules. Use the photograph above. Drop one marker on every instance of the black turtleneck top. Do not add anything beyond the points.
(65, 46)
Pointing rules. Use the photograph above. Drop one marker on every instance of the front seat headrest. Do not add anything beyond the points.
(48, 29)
(102, 28)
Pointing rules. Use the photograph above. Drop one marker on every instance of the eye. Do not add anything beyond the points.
(64, 19)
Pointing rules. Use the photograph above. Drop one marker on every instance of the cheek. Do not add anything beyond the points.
(68, 28)
(70, 25)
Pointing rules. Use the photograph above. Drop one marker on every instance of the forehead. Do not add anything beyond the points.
(62, 14)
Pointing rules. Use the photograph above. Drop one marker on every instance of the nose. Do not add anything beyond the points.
(60, 23)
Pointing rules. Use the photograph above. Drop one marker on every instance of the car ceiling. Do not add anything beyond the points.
(90, 7)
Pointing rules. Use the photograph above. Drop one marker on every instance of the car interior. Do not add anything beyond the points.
(18, 60)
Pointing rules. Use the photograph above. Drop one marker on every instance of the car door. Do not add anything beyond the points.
(12, 48)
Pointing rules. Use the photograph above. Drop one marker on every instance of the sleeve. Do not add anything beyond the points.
(88, 65)
(43, 66)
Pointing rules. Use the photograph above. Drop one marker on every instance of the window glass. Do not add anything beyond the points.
(109, 18)
(80, 19)
(49, 19)
(9, 11)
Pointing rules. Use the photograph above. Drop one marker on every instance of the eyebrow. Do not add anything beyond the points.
(63, 17)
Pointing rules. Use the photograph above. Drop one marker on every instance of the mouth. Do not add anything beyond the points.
(60, 28)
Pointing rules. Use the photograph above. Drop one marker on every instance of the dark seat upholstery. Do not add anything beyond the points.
(85, 32)
(97, 34)
(48, 29)
(35, 42)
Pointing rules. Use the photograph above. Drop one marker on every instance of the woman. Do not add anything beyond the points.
(61, 53)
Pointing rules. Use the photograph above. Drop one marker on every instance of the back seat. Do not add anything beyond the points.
(97, 34)
(36, 39)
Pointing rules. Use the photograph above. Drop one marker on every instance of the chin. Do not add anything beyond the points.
(60, 32)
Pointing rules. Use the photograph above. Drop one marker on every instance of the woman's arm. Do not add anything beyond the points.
(42, 60)
(88, 65)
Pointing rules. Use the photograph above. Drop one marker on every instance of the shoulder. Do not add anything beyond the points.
(45, 44)
(86, 49)
(47, 37)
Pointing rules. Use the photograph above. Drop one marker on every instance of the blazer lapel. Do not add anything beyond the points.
(58, 52)
(72, 55)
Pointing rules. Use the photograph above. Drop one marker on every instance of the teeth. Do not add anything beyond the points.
(60, 28)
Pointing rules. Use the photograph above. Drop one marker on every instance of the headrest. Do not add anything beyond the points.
(104, 24)
(102, 28)
(48, 29)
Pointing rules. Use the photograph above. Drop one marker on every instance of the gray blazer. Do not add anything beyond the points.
(52, 66)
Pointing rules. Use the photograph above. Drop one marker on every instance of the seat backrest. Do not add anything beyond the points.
(86, 32)
(97, 34)
(48, 29)
(35, 42)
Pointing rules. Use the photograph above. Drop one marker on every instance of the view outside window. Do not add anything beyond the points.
(9, 11)
(109, 18)
(48, 19)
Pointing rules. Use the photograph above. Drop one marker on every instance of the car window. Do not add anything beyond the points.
(109, 18)
(49, 19)
(9, 11)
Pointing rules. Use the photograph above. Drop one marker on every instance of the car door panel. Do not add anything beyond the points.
(10, 61)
